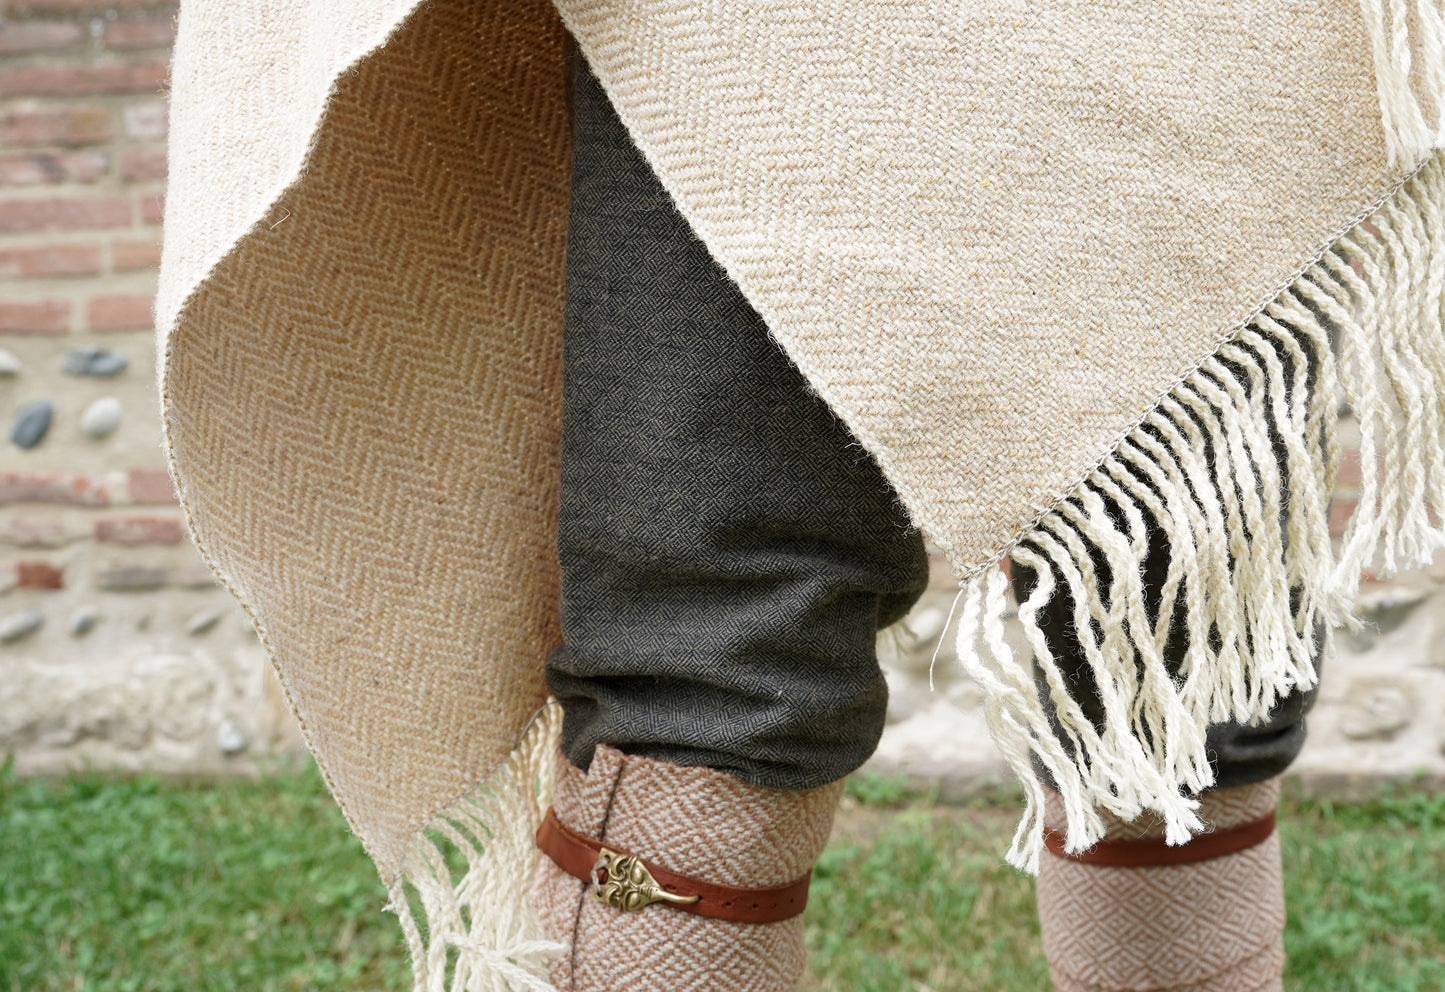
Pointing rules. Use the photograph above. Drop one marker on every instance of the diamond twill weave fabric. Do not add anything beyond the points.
(1211, 926)
(697, 822)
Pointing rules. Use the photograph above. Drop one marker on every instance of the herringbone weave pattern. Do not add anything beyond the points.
(914, 179)
(697, 822)
(367, 402)
(1212, 926)
(996, 238)
(990, 237)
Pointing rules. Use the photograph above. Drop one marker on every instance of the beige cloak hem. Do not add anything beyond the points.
(1037, 256)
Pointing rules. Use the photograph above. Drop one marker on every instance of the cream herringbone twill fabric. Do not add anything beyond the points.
(697, 822)
(1211, 926)
(363, 397)
(991, 236)
(975, 226)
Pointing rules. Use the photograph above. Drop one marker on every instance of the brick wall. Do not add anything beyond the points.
(115, 644)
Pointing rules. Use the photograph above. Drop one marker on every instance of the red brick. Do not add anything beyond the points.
(35, 532)
(1341, 510)
(144, 163)
(141, 32)
(150, 486)
(152, 208)
(27, 37)
(140, 530)
(64, 213)
(145, 121)
(40, 317)
(70, 79)
(127, 256)
(39, 575)
(46, 168)
(38, 261)
(53, 487)
(119, 313)
(75, 126)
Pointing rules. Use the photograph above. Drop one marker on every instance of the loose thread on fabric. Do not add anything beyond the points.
(1234, 469)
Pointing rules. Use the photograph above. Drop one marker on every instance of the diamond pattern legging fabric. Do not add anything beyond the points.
(728, 549)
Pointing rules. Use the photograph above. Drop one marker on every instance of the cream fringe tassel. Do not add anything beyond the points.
(1235, 465)
(481, 933)
(1396, 37)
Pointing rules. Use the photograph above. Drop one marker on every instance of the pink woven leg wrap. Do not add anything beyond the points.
(697, 822)
(1210, 926)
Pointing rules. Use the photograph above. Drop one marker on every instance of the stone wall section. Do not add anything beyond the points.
(118, 649)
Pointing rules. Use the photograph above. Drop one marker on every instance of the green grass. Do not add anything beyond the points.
(135, 884)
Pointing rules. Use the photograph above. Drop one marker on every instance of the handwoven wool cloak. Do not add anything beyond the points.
(1070, 271)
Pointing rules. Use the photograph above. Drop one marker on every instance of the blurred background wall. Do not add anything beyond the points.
(118, 649)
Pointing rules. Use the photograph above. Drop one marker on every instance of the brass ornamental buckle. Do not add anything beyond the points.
(623, 882)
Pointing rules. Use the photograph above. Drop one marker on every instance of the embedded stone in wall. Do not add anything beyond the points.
(101, 418)
(82, 622)
(9, 364)
(18, 625)
(131, 706)
(230, 738)
(202, 622)
(95, 362)
(31, 424)
(131, 578)
(1379, 709)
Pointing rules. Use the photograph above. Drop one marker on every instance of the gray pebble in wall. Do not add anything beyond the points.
(82, 622)
(100, 362)
(202, 622)
(18, 625)
(9, 364)
(230, 738)
(31, 424)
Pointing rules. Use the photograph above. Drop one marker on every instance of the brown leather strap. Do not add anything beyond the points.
(577, 856)
(1154, 852)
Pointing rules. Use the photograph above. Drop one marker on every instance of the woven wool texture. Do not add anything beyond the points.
(363, 397)
(975, 227)
(708, 499)
(1214, 926)
(1014, 246)
(697, 822)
